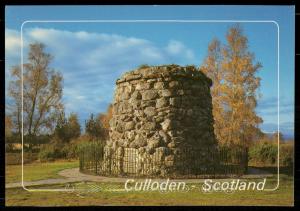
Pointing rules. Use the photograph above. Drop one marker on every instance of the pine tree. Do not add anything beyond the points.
(67, 128)
(94, 128)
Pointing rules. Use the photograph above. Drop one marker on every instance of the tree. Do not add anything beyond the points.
(94, 128)
(104, 119)
(232, 71)
(61, 127)
(212, 67)
(74, 126)
(8, 134)
(16, 106)
(67, 129)
(8, 126)
(42, 93)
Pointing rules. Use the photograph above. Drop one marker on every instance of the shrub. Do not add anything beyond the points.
(9, 147)
(263, 153)
(52, 151)
(58, 149)
(16, 158)
(266, 154)
(73, 147)
(287, 155)
(47, 153)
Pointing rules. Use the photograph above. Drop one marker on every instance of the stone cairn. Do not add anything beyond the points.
(158, 113)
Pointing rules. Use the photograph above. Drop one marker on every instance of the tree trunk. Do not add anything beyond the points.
(246, 160)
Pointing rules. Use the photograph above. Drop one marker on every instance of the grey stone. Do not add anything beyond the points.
(150, 111)
(136, 95)
(158, 119)
(149, 95)
(159, 85)
(166, 93)
(173, 84)
(129, 125)
(148, 103)
(138, 113)
(161, 102)
(155, 140)
(142, 86)
(166, 125)
(130, 135)
(120, 128)
(138, 142)
(164, 136)
(149, 126)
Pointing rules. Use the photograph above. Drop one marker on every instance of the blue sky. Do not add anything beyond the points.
(91, 56)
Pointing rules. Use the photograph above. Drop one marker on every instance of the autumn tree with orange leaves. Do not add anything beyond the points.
(234, 91)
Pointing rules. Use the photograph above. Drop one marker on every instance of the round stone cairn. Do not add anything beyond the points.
(161, 116)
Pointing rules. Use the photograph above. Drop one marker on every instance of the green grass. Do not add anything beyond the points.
(37, 171)
(281, 197)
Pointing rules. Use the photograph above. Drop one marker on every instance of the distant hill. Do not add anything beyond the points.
(286, 136)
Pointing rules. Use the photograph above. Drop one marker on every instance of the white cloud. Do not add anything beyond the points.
(12, 42)
(177, 48)
(91, 62)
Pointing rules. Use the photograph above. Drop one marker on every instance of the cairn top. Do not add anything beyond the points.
(164, 71)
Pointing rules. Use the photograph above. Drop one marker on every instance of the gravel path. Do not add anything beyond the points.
(73, 175)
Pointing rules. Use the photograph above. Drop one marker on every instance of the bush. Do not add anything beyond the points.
(58, 149)
(47, 153)
(9, 147)
(72, 148)
(287, 155)
(266, 154)
(16, 158)
(52, 151)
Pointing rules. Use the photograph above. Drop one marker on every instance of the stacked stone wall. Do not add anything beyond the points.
(160, 113)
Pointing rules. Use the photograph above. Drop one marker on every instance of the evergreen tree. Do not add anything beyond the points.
(67, 129)
(94, 128)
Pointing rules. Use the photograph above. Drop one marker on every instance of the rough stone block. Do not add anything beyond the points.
(158, 113)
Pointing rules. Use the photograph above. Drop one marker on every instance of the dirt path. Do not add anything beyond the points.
(73, 175)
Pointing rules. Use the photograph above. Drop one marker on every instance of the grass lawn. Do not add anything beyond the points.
(281, 197)
(37, 171)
